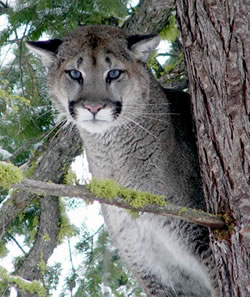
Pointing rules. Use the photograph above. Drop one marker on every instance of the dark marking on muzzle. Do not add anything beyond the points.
(117, 109)
(72, 110)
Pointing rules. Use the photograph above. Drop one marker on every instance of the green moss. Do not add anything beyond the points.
(46, 237)
(170, 67)
(133, 213)
(182, 211)
(33, 287)
(42, 265)
(37, 155)
(9, 98)
(30, 171)
(170, 31)
(70, 178)
(104, 189)
(66, 229)
(9, 175)
(3, 250)
(110, 189)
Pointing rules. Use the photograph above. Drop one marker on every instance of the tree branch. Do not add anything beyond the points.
(16, 242)
(151, 16)
(45, 242)
(79, 191)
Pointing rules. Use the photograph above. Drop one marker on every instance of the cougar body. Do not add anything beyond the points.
(140, 135)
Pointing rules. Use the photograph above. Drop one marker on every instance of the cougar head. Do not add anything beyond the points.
(97, 74)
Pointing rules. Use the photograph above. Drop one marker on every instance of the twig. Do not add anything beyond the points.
(70, 257)
(16, 242)
(185, 213)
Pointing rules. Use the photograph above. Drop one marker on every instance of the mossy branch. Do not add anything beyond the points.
(33, 287)
(111, 193)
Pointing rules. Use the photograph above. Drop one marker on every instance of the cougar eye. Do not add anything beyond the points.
(114, 74)
(75, 74)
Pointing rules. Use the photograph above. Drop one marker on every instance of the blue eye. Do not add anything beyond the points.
(114, 74)
(74, 74)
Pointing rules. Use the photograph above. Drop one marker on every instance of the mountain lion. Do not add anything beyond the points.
(139, 135)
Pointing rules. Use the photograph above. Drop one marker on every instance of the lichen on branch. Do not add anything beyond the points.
(9, 175)
(33, 287)
(126, 198)
(109, 189)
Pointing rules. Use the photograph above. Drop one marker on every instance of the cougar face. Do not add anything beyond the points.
(95, 89)
(96, 75)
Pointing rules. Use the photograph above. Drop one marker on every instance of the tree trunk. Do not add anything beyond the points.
(216, 49)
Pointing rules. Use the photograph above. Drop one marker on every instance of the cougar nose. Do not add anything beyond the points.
(94, 108)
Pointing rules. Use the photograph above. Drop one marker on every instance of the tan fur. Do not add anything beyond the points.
(141, 136)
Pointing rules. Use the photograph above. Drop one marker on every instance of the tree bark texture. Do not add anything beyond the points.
(45, 242)
(216, 49)
(151, 16)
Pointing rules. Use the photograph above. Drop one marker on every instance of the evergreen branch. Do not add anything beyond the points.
(96, 232)
(3, 5)
(79, 191)
(16, 242)
(25, 146)
(70, 257)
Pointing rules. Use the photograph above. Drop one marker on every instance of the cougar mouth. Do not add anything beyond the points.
(95, 109)
(94, 116)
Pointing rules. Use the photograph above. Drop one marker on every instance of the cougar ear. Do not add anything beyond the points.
(143, 45)
(46, 50)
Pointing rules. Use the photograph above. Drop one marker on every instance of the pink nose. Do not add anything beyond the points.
(94, 108)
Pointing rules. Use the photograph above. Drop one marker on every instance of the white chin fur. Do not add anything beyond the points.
(94, 126)
(102, 122)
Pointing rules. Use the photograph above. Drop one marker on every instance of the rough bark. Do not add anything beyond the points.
(150, 17)
(216, 48)
(45, 242)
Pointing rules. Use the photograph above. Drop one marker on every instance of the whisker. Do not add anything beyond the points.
(134, 111)
(128, 125)
(152, 118)
(140, 126)
(46, 112)
(62, 122)
(122, 122)
(147, 104)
